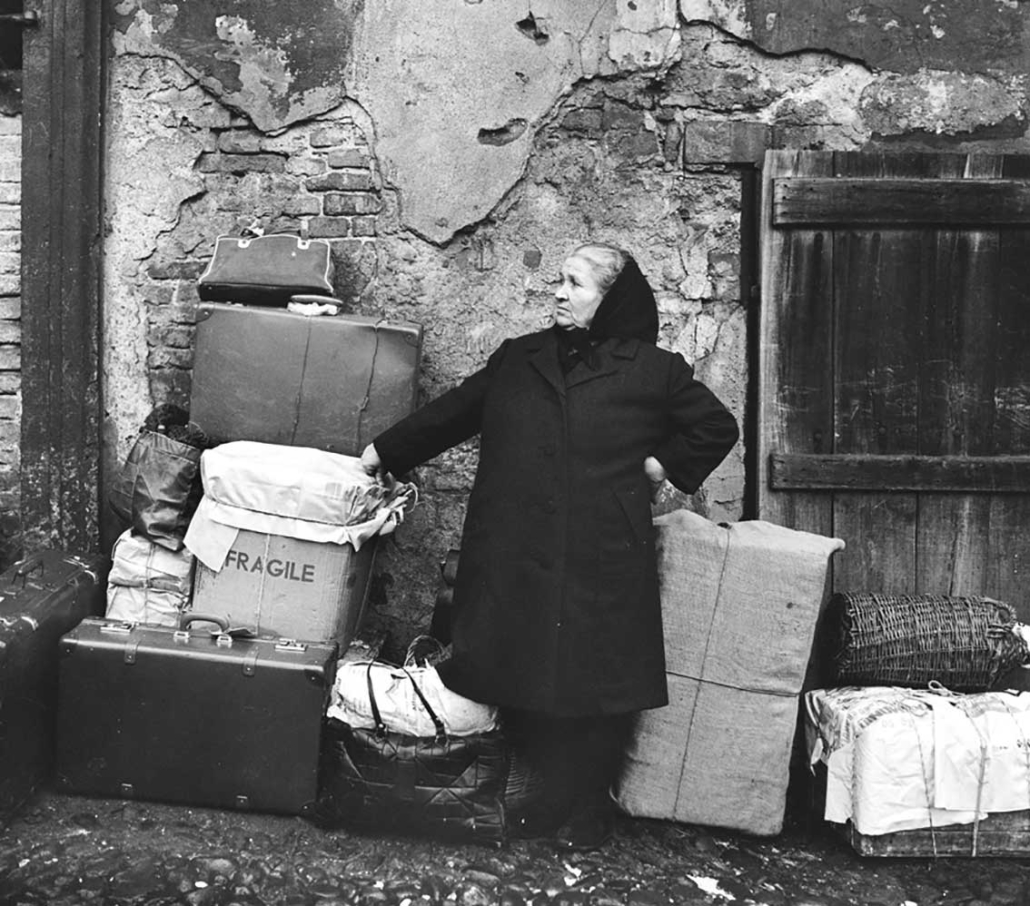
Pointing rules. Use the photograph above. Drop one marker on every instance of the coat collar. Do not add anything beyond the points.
(543, 354)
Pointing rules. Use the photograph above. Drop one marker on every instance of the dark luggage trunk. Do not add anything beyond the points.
(331, 382)
(191, 716)
(41, 598)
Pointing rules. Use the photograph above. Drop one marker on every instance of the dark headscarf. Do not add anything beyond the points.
(628, 311)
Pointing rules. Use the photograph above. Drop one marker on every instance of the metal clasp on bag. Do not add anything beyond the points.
(291, 645)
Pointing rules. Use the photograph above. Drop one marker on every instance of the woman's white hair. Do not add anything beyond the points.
(606, 260)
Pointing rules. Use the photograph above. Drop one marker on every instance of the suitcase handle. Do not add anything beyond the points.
(24, 570)
(187, 618)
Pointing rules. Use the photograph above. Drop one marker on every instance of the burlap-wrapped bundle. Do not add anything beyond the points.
(739, 606)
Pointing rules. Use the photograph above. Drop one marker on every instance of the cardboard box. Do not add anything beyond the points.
(739, 609)
(288, 587)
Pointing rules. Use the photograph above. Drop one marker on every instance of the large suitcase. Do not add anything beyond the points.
(194, 715)
(41, 598)
(331, 382)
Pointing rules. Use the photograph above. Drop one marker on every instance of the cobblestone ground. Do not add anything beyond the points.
(66, 850)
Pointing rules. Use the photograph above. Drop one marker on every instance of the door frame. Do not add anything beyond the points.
(64, 68)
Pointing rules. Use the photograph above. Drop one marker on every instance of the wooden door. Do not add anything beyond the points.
(894, 366)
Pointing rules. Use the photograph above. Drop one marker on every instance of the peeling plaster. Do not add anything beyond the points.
(941, 102)
(647, 35)
(259, 61)
(903, 35)
(730, 15)
(149, 177)
(277, 63)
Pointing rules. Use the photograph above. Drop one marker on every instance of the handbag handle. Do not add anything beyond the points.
(441, 730)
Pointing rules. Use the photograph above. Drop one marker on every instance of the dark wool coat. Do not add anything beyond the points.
(556, 603)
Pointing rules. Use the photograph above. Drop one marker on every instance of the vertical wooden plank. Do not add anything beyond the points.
(957, 395)
(61, 229)
(1007, 572)
(795, 357)
(878, 278)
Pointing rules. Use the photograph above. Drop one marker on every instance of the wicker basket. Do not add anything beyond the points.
(965, 643)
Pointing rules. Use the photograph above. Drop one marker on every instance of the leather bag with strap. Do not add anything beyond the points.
(444, 786)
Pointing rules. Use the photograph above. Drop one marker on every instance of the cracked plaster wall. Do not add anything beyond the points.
(454, 153)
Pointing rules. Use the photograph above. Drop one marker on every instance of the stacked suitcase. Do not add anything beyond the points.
(41, 598)
(226, 710)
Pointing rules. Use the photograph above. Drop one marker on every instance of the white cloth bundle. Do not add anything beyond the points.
(900, 759)
(398, 703)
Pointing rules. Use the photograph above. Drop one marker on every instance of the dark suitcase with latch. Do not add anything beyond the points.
(195, 715)
(42, 597)
(332, 382)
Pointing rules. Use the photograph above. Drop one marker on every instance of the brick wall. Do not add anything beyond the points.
(10, 334)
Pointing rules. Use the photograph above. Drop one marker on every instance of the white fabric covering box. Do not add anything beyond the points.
(901, 759)
(285, 538)
(740, 604)
(148, 583)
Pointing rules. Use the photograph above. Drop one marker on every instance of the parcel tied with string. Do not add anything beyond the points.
(739, 609)
(902, 761)
(285, 538)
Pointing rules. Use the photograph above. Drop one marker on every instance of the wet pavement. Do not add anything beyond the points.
(65, 850)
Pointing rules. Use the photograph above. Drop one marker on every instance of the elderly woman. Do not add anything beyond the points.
(556, 615)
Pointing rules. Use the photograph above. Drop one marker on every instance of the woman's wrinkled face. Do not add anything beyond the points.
(577, 298)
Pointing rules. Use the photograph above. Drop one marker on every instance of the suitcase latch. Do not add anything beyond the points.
(290, 645)
(121, 627)
(223, 640)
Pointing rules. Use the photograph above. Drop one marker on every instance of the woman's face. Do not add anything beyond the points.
(577, 298)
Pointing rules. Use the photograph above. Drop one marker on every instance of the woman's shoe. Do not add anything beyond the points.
(586, 830)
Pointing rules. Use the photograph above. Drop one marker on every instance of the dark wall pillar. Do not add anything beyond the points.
(61, 242)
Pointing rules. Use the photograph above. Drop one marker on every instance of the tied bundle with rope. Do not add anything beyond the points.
(967, 644)
(949, 769)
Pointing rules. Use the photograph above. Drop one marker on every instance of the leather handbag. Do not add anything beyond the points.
(451, 787)
(267, 270)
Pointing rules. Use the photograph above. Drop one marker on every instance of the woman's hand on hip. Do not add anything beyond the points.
(655, 473)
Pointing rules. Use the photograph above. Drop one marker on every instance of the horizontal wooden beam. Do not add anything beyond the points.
(901, 202)
(871, 472)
